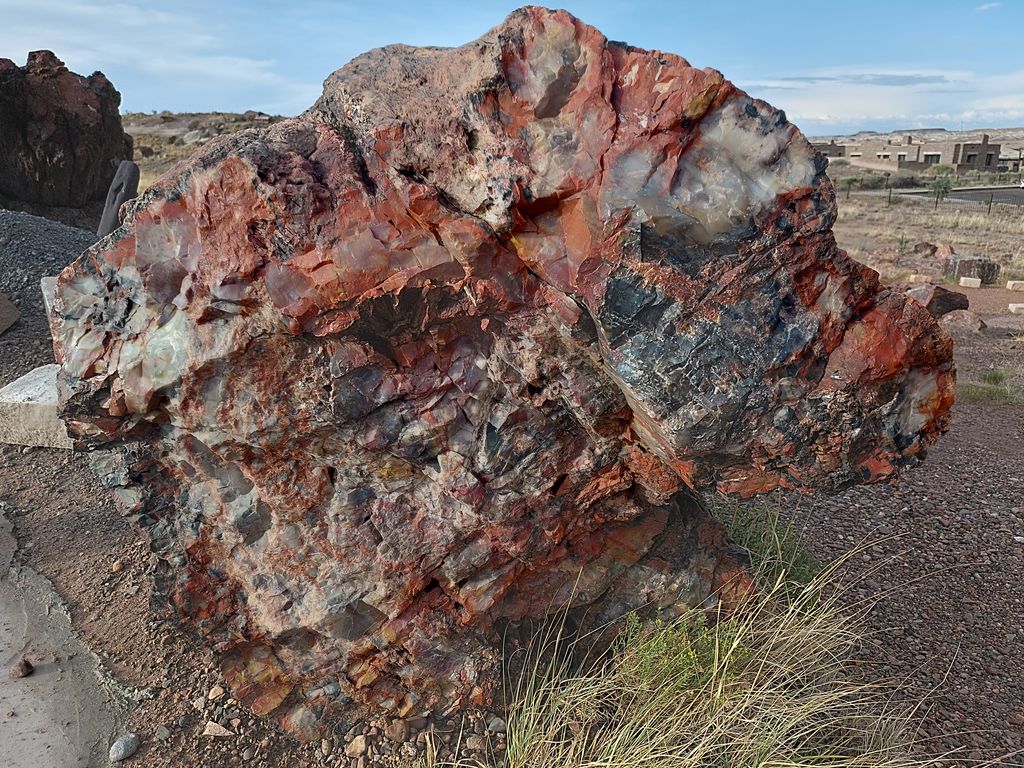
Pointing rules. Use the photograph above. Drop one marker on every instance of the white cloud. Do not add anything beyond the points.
(177, 54)
(837, 99)
(985, 7)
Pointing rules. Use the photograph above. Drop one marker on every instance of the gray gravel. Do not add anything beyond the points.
(31, 248)
(945, 562)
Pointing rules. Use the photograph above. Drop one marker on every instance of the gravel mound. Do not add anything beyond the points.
(31, 248)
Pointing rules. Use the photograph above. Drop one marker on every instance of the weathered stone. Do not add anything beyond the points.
(60, 135)
(9, 313)
(985, 270)
(458, 347)
(28, 411)
(938, 300)
(1015, 285)
(124, 747)
(1016, 309)
(963, 320)
(920, 279)
(970, 282)
(123, 188)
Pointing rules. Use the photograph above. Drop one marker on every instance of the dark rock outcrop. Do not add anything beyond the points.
(460, 347)
(60, 139)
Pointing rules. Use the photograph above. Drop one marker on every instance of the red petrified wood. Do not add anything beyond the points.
(462, 344)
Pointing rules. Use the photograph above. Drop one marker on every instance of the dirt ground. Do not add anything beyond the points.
(948, 553)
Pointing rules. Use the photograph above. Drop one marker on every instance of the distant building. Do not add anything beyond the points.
(911, 155)
(830, 149)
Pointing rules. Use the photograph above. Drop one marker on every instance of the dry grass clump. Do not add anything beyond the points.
(770, 683)
(996, 387)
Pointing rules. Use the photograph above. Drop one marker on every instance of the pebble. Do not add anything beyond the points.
(398, 731)
(357, 746)
(215, 729)
(117, 566)
(496, 725)
(215, 693)
(124, 747)
(161, 733)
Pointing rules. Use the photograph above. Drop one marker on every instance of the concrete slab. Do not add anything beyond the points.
(1017, 309)
(9, 313)
(1015, 285)
(970, 282)
(28, 411)
(48, 285)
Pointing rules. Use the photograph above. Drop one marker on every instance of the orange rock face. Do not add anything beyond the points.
(461, 345)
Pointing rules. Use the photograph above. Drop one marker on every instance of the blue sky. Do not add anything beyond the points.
(834, 67)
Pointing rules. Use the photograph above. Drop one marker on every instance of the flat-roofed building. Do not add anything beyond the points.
(914, 155)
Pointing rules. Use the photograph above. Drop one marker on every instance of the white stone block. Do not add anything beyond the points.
(1017, 309)
(970, 282)
(1015, 285)
(919, 279)
(28, 411)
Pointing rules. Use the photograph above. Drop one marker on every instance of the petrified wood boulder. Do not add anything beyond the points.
(461, 345)
(60, 138)
(938, 300)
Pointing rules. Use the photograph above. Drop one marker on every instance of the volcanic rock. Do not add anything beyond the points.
(459, 347)
(60, 139)
(938, 300)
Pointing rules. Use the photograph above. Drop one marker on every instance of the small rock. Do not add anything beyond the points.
(398, 731)
(124, 747)
(23, 668)
(216, 729)
(496, 725)
(476, 743)
(161, 733)
(326, 746)
(117, 566)
(357, 746)
(215, 693)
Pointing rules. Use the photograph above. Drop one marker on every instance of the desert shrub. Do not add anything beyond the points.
(838, 162)
(908, 181)
(941, 184)
(872, 181)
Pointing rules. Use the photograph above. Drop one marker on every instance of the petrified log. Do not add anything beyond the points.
(985, 270)
(460, 346)
(60, 136)
(938, 300)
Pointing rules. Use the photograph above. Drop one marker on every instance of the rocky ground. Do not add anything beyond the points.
(942, 554)
(942, 567)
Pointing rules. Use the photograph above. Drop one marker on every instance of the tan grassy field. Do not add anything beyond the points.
(883, 236)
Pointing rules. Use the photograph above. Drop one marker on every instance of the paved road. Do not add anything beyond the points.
(1012, 195)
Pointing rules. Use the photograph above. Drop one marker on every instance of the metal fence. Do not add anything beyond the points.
(989, 205)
